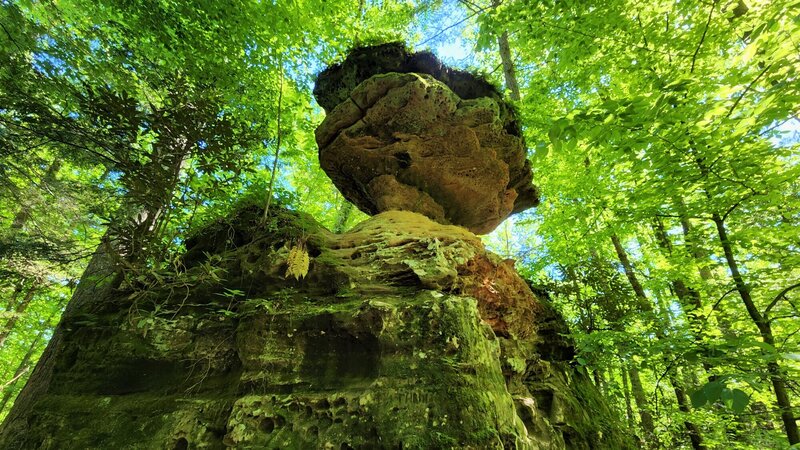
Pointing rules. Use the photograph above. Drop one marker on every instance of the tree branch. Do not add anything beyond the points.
(778, 297)
(703, 37)
(747, 89)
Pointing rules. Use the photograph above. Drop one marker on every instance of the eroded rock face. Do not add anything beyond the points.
(404, 334)
(407, 141)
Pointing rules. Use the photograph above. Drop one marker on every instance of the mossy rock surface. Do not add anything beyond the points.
(404, 333)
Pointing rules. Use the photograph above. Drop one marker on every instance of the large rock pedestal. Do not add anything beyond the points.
(405, 334)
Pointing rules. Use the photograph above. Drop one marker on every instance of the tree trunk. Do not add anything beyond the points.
(638, 290)
(647, 306)
(102, 274)
(600, 381)
(692, 243)
(627, 393)
(342, 216)
(12, 302)
(688, 296)
(23, 367)
(18, 311)
(648, 426)
(683, 405)
(765, 329)
(24, 213)
(701, 259)
(509, 72)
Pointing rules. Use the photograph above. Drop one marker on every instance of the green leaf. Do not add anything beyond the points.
(739, 401)
(698, 398)
(713, 390)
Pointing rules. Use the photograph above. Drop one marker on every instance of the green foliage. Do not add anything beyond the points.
(647, 121)
(717, 391)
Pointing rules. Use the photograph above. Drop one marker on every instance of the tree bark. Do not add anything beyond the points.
(599, 381)
(102, 274)
(24, 213)
(648, 426)
(697, 253)
(627, 393)
(701, 259)
(688, 296)
(12, 302)
(638, 290)
(683, 405)
(342, 216)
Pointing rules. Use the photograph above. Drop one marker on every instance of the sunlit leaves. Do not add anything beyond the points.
(717, 391)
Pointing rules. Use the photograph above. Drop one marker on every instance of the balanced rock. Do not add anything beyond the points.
(408, 141)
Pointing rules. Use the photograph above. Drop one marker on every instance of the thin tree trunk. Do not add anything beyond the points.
(688, 296)
(23, 367)
(509, 72)
(24, 213)
(622, 255)
(648, 426)
(599, 381)
(342, 216)
(277, 146)
(647, 306)
(765, 329)
(692, 244)
(683, 405)
(18, 311)
(627, 393)
(701, 259)
(12, 302)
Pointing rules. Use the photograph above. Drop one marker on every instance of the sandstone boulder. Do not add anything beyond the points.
(438, 142)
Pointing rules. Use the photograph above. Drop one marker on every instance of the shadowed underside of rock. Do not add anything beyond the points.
(404, 334)
(404, 140)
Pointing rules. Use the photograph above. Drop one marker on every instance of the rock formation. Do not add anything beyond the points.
(406, 133)
(402, 333)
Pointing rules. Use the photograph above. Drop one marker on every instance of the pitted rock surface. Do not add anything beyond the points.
(406, 141)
